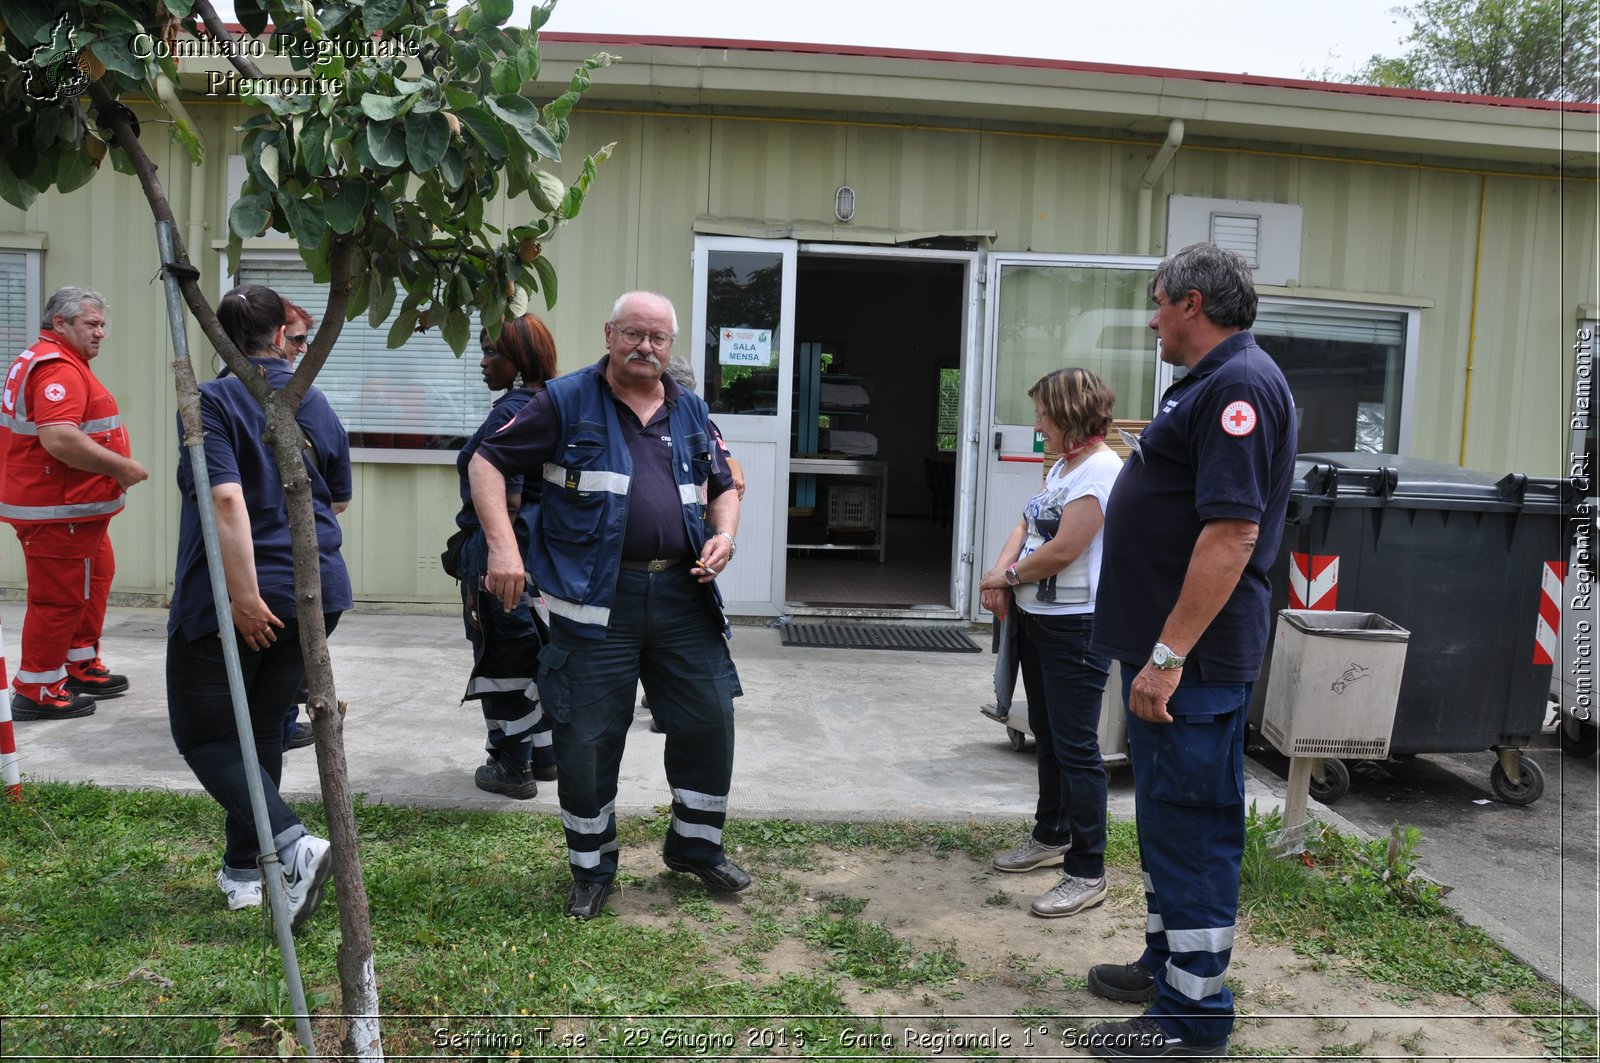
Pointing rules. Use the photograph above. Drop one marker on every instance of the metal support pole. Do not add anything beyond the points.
(271, 868)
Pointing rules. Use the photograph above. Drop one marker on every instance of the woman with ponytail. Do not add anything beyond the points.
(253, 531)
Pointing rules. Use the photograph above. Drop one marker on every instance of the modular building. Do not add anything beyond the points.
(873, 254)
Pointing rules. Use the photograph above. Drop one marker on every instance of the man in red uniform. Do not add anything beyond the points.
(64, 468)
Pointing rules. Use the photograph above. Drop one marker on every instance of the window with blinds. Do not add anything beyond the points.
(1346, 367)
(19, 295)
(419, 397)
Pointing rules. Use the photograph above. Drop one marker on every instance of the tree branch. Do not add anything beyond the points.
(309, 364)
(215, 26)
(119, 119)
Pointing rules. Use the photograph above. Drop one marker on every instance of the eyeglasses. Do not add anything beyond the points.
(296, 340)
(636, 336)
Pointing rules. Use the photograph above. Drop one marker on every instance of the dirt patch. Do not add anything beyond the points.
(1020, 986)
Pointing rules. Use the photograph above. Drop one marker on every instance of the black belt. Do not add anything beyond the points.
(658, 565)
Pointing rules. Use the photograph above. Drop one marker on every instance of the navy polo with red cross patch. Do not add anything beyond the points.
(1221, 445)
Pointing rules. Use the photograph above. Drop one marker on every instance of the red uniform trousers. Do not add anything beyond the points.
(69, 566)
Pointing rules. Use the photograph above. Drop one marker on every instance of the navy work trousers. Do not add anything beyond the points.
(664, 630)
(200, 713)
(1065, 684)
(1188, 786)
(505, 651)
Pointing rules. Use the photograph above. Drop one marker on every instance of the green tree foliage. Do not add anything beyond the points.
(1531, 49)
(407, 117)
(382, 169)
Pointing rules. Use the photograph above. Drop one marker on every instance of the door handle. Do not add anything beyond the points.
(997, 438)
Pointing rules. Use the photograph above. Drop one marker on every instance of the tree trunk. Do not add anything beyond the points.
(358, 981)
(357, 978)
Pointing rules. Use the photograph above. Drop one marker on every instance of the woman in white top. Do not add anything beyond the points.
(1050, 569)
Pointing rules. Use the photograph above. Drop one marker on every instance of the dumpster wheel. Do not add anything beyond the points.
(1526, 790)
(1334, 783)
(1019, 739)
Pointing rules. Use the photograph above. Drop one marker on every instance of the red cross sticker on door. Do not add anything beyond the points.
(1239, 419)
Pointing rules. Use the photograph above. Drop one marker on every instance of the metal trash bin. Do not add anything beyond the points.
(1335, 680)
(1464, 561)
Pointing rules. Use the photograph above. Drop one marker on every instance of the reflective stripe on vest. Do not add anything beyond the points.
(598, 615)
(615, 483)
(24, 427)
(79, 509)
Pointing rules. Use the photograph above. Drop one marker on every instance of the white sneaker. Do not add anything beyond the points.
(241, 893)
(1070, 896)
(305, 872)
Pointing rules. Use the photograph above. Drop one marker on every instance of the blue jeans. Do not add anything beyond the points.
(200, 713)
(1065, 683)
(666, 631)
(1188, 786)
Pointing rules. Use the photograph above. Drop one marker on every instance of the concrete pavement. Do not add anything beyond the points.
(822, 734)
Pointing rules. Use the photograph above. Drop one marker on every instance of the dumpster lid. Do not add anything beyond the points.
(1397, 479)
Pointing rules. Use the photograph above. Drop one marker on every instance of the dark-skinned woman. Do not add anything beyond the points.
(506, 644)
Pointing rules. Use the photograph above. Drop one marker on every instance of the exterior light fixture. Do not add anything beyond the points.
(844, 203)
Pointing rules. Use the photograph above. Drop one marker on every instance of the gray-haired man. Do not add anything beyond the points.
(65, 466)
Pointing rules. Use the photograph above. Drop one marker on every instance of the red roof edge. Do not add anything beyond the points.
(1022, 62)
(646, 41)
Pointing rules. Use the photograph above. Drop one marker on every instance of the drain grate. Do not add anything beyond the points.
(879, 637)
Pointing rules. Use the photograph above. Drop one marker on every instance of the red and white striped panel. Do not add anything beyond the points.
(1313, 581)
(9, 772)
(1548, 631)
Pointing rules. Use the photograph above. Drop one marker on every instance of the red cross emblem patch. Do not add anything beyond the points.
(55, 392)
(1239, 419)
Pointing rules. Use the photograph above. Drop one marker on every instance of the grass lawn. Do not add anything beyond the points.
(115, 942)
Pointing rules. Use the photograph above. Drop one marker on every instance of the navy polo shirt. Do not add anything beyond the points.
(504, 409)
(655, 527)
(1221, 445)
(233, 425)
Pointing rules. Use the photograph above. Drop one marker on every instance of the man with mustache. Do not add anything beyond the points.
(637, 520)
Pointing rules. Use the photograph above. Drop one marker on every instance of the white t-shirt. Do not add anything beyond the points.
(1071, 590)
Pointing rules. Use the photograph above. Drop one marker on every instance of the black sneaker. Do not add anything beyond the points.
(1141, 1037)
(517, 783)
(300, 737)
(1128, 982)
(52, 706)
(95, 679)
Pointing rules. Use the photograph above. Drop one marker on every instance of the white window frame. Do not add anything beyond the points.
(31, 250)
(1408, 371)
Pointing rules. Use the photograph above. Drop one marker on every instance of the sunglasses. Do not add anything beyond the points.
(295, 339)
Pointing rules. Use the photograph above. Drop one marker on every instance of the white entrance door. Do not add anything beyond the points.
(741, 343)
(1048, 312)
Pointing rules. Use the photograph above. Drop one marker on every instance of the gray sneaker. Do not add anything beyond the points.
(1029, 855)
(1070, 896)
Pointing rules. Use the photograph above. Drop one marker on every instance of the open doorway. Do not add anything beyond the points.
(875, 433)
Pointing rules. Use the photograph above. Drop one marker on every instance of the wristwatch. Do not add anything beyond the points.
(1011, 575)
(1163, 658)
(733, 547)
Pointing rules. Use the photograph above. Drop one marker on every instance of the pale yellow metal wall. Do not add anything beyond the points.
(1407, 230)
